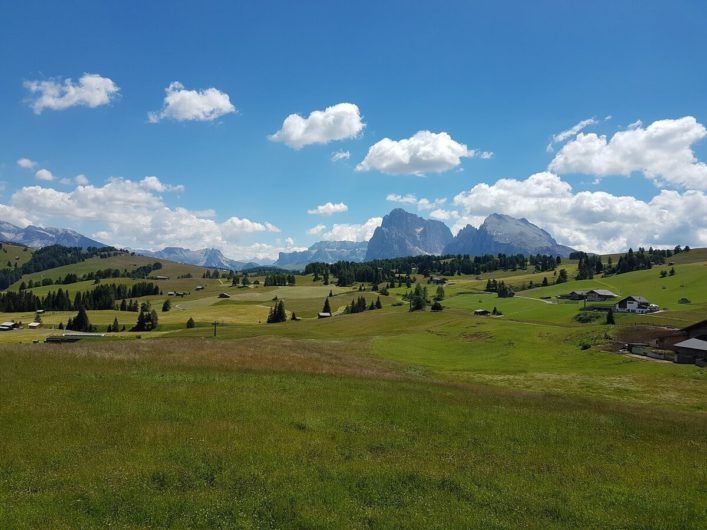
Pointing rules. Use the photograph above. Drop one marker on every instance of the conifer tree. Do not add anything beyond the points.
(610, 317)
(327, 307)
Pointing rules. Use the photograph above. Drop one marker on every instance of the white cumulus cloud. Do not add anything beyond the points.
(131, 213)
(662, 152)
(316, 230)
(441, 214)
(590, 221)
(153, 183)
(337, 122)
(410, 198)
(92, 90)
(424, 152)
(328, 209)
(45, 174)
(181, 104)
(81, 180)
(353, 232)
(26, 163)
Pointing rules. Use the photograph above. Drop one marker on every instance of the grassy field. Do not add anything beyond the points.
(14, 254)
(383, 419)
(282, 434)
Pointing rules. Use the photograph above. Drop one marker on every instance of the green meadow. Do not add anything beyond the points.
(380, 419)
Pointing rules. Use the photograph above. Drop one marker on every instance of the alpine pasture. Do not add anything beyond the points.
(385, 418)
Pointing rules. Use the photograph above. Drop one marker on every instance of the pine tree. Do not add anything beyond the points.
(378, 303)
(440, 293)
(80, 322)
(327, 307)
(190, 323)
(166, 306)
(115, 326)
(610, 317)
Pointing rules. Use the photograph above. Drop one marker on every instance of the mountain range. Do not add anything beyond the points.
(401, 234)
(38, 237)
(503, 234)
(324, 251)
(205, 257)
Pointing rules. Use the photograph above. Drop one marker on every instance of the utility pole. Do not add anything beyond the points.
(214, 324)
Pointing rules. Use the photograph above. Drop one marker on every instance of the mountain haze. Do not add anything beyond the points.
(326, 252)
(205, 257)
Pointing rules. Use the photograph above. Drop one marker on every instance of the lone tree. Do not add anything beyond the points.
(190, 323)
(167, 305)
(327, 307)
(610, 317)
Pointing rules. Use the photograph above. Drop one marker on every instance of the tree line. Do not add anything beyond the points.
(100, 297)
(390, 270)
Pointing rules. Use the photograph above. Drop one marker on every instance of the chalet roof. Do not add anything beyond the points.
(693, 344)
(638, 299)
(604, 292)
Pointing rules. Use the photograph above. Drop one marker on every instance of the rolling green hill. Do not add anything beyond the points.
(385, 418)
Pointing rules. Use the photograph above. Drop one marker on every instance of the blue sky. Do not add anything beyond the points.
(482, 77)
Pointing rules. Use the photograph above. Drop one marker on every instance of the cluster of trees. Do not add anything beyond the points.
(640, 260)
(146, 321)
(50, 257)
(500, 288)
(588, 266)
(145, 270)
(80, 322)
(418, 298)
(359, 305)
(279, 280)
(57, 256)
(664, 273)
(129, 305)
(9, 276)
(391, 270)
(146, 318)
(102, 274)
(100, 297)
(277, 313)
